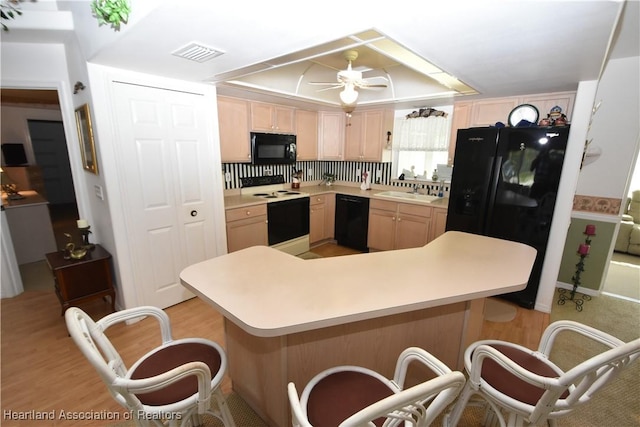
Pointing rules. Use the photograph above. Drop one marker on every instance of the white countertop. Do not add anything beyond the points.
(31, 198)
(270, 293)
(233, 199)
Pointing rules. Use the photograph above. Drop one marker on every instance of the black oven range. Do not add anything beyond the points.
(287, 212)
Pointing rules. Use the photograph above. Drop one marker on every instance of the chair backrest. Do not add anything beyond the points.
(96, 347)
(584, 380)
(418, 405)
(90, 338)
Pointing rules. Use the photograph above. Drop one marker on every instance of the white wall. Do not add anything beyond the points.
(614, 130)
(564, 202)
(15, 128)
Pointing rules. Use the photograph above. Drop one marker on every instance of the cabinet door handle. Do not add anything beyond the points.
(248, 213)
(194, 213)
(393, 218)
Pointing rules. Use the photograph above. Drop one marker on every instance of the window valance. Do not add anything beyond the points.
(422, 134)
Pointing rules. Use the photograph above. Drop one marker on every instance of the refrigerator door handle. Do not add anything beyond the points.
(495, 176)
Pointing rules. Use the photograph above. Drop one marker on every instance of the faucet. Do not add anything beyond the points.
(415, 188)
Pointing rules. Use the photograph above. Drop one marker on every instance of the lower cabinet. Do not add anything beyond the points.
(321, 217)
(438, 222)
(398, 225)
(392, 225)
(247, 227)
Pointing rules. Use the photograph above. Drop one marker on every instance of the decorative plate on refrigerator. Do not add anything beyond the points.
(526, 112)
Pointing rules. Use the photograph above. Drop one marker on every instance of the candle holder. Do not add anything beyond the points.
(583, 251)
(84, 231)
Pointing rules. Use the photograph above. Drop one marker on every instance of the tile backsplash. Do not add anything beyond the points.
(314, 170)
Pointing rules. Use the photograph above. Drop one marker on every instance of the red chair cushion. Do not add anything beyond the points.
(342, 394)
(512, 386)
(171, 357)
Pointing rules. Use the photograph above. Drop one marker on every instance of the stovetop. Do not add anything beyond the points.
(270, 187)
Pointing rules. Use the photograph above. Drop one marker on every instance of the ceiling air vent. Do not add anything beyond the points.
(198, 52)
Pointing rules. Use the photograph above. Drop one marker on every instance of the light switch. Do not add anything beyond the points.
(98, 191)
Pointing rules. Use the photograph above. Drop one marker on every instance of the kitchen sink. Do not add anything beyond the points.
(408, 196)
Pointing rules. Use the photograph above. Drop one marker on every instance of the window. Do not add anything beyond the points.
(420, 144)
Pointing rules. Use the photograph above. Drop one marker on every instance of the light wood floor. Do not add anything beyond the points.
(42, 369)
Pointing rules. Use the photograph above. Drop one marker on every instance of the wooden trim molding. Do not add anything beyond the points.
(597, 204)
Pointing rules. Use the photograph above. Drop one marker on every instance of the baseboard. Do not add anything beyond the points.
(586, 291)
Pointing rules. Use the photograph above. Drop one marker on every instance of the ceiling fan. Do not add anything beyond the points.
(350, 79)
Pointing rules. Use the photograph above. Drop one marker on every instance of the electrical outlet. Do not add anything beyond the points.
(358, 174)
(268, 172)
(227, 177)
(310, 172)
(378, 174)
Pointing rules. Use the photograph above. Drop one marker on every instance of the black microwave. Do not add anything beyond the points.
(272, 148)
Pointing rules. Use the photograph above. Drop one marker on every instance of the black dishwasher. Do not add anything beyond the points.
(352, 221)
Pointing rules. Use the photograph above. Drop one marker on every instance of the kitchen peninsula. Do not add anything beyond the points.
(287, 318)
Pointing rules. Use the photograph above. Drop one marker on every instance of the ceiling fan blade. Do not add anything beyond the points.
(365, 85)
(324, 83)
(330, 88)
(368, 79)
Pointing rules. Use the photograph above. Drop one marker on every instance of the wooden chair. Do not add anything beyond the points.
(522, 386)
(357, 396)
(170, 385)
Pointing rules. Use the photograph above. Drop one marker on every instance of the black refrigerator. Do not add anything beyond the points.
(504, 184)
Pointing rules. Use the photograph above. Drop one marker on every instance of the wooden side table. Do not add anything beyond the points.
(82, 280)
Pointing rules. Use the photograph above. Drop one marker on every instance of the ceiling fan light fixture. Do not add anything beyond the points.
(349, 95)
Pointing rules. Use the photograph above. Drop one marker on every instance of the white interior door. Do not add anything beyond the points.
(166, 171)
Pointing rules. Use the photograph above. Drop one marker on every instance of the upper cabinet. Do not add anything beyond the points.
(330, 135)
(487, 112)
(545, 102)
(307, 135)
(272, 118)
(366, 135)
(233, 123)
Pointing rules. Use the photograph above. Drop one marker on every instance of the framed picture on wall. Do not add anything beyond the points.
(85, 134)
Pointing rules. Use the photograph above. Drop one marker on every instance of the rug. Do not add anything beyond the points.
(309, 255)
(623, 279)
(497, 310)
(617, 405)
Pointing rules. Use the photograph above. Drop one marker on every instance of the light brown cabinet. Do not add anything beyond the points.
(438, 222)
(307, 135)
(321, 217)
(398, 225)
(366, 135)
(330, 135)
(246, 226)
(487, 112)
(233, 123)
(272, 118)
